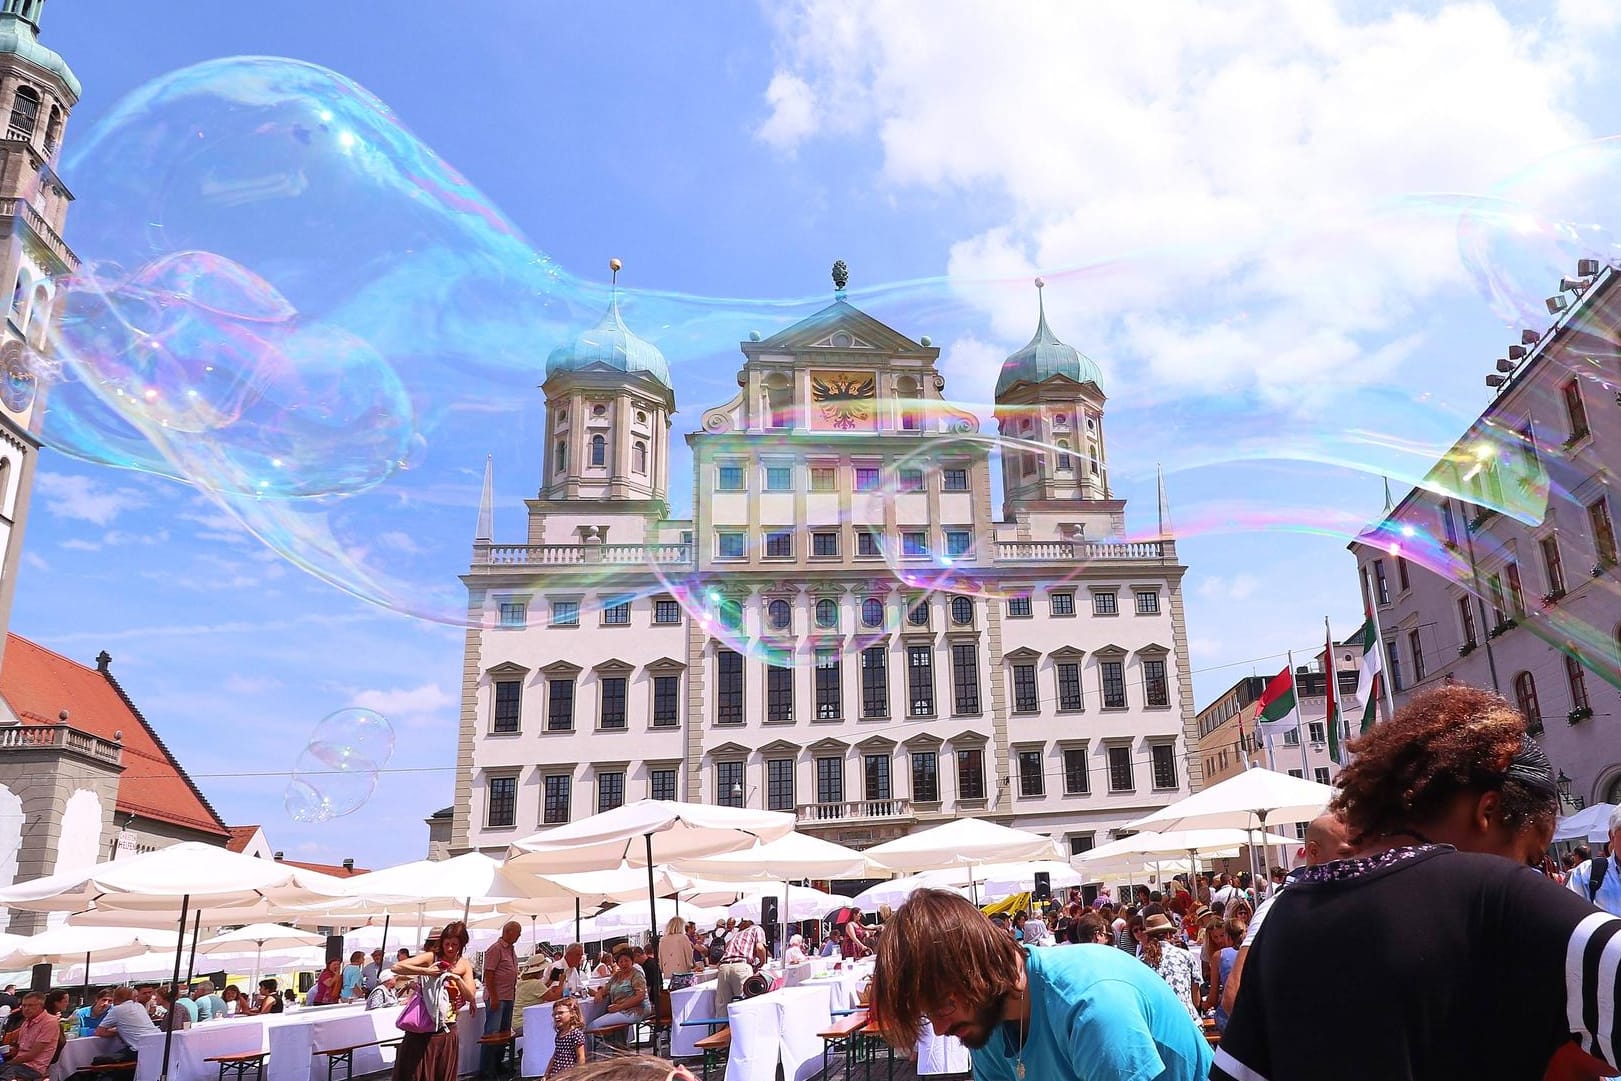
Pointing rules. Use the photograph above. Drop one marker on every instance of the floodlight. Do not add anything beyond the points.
(1504, 366)
(1529, 337)
(1496, 380)
(1557, 304)
(1586, 268)
(1517, 352)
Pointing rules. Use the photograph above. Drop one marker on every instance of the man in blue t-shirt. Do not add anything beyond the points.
(1065, 1014)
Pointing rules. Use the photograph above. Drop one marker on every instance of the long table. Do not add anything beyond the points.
(539, 1039)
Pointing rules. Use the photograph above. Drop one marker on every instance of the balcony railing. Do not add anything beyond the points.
(59, 737)
(1071, 551)
(20, 208)
(563, 555)
(856, 811)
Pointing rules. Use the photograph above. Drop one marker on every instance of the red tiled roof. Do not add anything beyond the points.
(327, 868)
(39, 684)
(240, 836)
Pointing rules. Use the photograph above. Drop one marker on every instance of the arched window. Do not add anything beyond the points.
(38, 313)
(827, 613)
(1063, 456)
(872, 612)
(5, 486)
(962, 611)
(53, 130)
(780, 614)
(599, 450)
(638, 457)
(24, 113)
(1525, 696)
(562, 455)
(19, 295)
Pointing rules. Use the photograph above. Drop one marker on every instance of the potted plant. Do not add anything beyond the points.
(1466, 649)
(1580, 713)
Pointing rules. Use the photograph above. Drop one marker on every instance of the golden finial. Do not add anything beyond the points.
(615, 266)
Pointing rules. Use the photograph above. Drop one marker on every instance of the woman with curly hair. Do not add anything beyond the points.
(1449, 961)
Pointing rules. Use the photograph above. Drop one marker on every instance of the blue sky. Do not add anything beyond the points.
(1247, 216)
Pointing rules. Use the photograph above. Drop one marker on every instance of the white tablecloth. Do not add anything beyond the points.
(779, 1027)
(293, 1046)
(80, 1052)
(539, 1037)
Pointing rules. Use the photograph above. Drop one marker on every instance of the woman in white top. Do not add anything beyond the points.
(795, 953)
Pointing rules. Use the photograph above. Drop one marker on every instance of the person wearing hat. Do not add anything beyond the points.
(532, 988)
(1175, 965)
(383, 994)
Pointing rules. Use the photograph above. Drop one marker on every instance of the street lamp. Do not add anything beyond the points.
(1564, 782)
(739, 795)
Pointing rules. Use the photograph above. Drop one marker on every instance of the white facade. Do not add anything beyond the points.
(842, 630)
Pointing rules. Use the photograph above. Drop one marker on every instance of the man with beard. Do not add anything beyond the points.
(1042, 1015)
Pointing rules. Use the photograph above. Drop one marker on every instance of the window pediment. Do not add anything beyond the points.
(1111, 650)
(1067, 653)
(1153, 649)
(923, 741)
(780, 747)
(729, 750)
(1022, 655)
(613, 666)
(876, 743)
(824, 746)
(507, 670)
(969, 738)
(561, 669)
(666, 665)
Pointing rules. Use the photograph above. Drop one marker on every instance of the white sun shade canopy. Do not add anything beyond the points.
(797, 855)
(1180, 843)
(961, 843)
(674, 831)
(1252, 798)
(67, 944)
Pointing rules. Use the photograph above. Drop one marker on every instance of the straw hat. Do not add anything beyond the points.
(1157, 924)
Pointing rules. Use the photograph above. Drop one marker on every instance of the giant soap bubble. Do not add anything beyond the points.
(337, 771)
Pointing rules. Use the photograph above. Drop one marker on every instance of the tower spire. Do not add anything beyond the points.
(1390, 504)
(1164, 503)
(486, 504)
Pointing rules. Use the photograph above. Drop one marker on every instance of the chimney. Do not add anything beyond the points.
(349, 865)
(104, 661)
(278, 857)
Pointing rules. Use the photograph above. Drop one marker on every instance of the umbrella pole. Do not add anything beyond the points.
(534, 934)
(652, 900)
(87, 1001)
(191, 961)
(1266, 872)
(386, 917)
(168, 1028)
(258, 958)
(576, 919)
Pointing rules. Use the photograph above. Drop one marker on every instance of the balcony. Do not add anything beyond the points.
(20, 209)
(569, 555)
(1076, 551)
(866, 810)
(59, 737)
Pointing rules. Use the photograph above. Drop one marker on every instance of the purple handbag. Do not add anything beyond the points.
(420, 1013)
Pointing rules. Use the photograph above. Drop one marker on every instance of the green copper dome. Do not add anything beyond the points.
(19, 36)
(1046, 357)
(610, 346)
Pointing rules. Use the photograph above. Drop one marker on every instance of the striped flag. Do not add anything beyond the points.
(1277, 701)
(1373, 666)
(1331, 685)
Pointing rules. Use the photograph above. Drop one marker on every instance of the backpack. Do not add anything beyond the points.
(717, 950)
(1595, 876)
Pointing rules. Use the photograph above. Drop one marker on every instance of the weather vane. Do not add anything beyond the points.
(841, 275)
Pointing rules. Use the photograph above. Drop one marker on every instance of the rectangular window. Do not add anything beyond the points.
(1317, 731)
(971, 773)
(1164, 759)
(729, 544)
(1081, 843)
(779, 693)
(1147, 602)
(1291, 737)
(779, 478)
(1063, 604)
(560, 705)
(829, 681)
(514, 614)
(1393, 657)
(565, 613)
(666, 611)
(779, 544)
(911, 479)
(1120, 772)
(875, 681)
(1449, 527)
(914, 544)
(1105, 604)
(925, 777)
(1024, 689)
(867, 545)
(875, 775)
(617, 612)
(1069, 685)
(1077, 782)
(1466, 623)
(1030, 781)
(1598, 516)
(728, 687)
(830, 780)
(666, 701)
(1320, 775)
(1553, 565)
(502, 807)
(1575, 409)
(508, 705)
(965, 677)
(729, 791)
(610, 791)
(1516, 595)
(1156, 688)
(1401, 574)
(959, 542)
(729, 478)
(954, 480)
(1114, 684)
(1381, 581)
(1019, 608)
(559, 793)
(613, 702)
(920, 681)
(779, 784)
(824, 545)
(866, 478)
(661, 784)
(1494, 585)
(824, 478)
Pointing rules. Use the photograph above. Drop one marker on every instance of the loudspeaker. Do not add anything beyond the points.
(768, 910)
(1044, 886)
(334, 948)
(1088, 895)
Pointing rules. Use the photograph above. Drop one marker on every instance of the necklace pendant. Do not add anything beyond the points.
(1018, 1070)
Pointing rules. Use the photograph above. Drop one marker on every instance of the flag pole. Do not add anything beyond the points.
(1300, 721)
(1383, 677)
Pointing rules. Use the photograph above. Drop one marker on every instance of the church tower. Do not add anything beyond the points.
(609, 401)
(1049, 413)
(37, 91)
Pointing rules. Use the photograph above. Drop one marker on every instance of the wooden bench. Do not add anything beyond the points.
(508, 1042)
(345, 1057)
(872, 1040)
(108, 1067)
(239, 1064)
(713, 1045)
(842, 1035)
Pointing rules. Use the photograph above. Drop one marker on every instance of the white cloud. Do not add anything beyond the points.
(36, 561)
(1233, 172)
(1239, 587)
(237, 684)
(80, 498)
(427, 705)
(78, 544)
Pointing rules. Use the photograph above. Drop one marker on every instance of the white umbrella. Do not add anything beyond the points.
(633, 916)
(1588, 824)
(962, 843)
(998, 880)
(1242, 802)
(798, 855)
(68, 944)
(1180, 843)
(794, 903)
(895, 892)
(261, 936)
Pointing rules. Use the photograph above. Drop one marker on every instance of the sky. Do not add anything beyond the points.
(1273, 226)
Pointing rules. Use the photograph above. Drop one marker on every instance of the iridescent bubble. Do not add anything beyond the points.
(337, 771)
